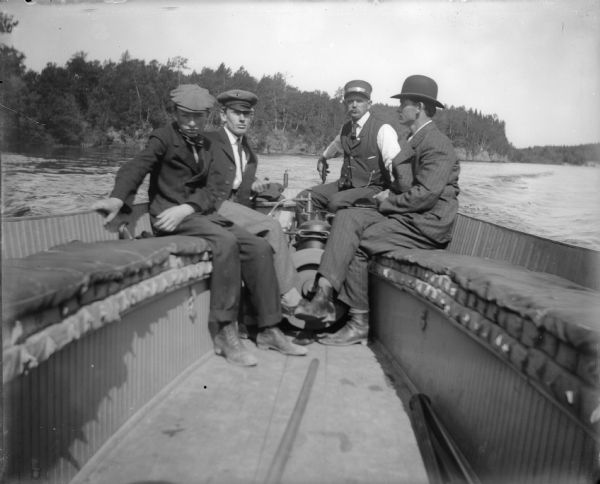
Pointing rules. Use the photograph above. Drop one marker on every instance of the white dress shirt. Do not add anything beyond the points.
(387, 142)
(240, 164)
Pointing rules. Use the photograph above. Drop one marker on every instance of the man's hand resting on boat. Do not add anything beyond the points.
(108, 208)
(259, 186)
(168, 220)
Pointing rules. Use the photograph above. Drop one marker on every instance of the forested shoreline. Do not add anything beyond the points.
(98, 104)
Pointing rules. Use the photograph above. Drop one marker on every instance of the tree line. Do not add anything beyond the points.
(93, 103)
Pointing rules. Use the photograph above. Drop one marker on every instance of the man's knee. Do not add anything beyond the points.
(261, 248)
(347, 218)
(273, 226)
(336, 204)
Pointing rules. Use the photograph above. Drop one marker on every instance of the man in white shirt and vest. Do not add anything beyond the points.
(368, 144)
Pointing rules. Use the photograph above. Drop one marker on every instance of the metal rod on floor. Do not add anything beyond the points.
(291, 430)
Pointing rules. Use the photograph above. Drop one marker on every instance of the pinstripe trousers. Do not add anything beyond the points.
(356, 235)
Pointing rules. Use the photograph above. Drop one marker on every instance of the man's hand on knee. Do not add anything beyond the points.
(169, 219)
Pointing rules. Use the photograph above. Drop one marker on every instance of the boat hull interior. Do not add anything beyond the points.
(141, 397)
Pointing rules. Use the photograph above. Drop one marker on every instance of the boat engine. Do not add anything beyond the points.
(308, 231)
(310, 237)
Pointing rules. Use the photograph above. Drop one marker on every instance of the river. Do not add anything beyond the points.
(560, 202)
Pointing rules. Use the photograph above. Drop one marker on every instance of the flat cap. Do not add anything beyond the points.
(358, 87)
(192, 98)
(238, 99)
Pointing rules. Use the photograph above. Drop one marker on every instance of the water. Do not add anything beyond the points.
(560, 202)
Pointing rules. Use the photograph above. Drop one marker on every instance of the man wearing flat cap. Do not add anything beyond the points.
(419, 215)
(368, 144)
(179, 160)
(235, 167)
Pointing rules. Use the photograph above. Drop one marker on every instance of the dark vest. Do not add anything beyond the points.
(363, 163)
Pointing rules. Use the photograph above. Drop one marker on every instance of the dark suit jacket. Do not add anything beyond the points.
(223, 170)
(175, 176)
(431, 203)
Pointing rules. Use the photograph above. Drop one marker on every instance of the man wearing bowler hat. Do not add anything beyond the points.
(368, 144)
(235, 167)
(418, 215)
(179, 160)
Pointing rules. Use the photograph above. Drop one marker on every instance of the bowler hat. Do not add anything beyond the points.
(358, 87)
(420, 87)
(192, 98)
(237, 99)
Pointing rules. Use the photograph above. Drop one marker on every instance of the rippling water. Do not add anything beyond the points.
(555, 201)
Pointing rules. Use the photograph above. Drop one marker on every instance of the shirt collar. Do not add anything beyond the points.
(420, 128)
(363, 119)
(232, 137)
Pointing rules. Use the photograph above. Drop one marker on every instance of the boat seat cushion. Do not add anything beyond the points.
(55, 283)
(545, 326)
(563, 308)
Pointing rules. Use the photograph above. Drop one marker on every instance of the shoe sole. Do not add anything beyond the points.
(220, 352)
(345, 343)
(266, 347)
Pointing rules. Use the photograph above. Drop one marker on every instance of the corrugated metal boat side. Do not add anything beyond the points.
(482, 239)
(62, 412)
(22, 236)
(508, 428)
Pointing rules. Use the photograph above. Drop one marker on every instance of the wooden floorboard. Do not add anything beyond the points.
(223, 425)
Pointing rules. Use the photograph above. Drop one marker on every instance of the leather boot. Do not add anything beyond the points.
(319, 309)
(304, 337)
(356, 330)
(243, 331)
(227, 343)
(273, 338)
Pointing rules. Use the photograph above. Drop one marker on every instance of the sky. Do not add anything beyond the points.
(533, 63)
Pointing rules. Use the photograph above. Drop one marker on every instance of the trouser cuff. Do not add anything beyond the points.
(268, 320)
(222, 315)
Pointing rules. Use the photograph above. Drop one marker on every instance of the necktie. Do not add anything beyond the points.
(240, 149)
(354, 130)
(240, 167)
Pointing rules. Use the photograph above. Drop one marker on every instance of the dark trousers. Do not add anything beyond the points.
(328, 198)
(356, 235)
(237, 256)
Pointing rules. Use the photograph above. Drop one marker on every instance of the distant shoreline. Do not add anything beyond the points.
(131, 148)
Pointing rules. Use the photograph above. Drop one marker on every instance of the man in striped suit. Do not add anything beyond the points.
(417, 214)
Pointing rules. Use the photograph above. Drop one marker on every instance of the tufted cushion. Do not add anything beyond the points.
(56, 282)
(565, 309)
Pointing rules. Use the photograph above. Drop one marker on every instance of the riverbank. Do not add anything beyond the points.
(537, 155)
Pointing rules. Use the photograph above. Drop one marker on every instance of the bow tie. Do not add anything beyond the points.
(196, 142)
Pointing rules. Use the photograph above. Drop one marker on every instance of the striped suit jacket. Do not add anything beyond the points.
(431, 203)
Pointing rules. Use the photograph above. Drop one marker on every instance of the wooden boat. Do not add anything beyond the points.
(482, 366)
